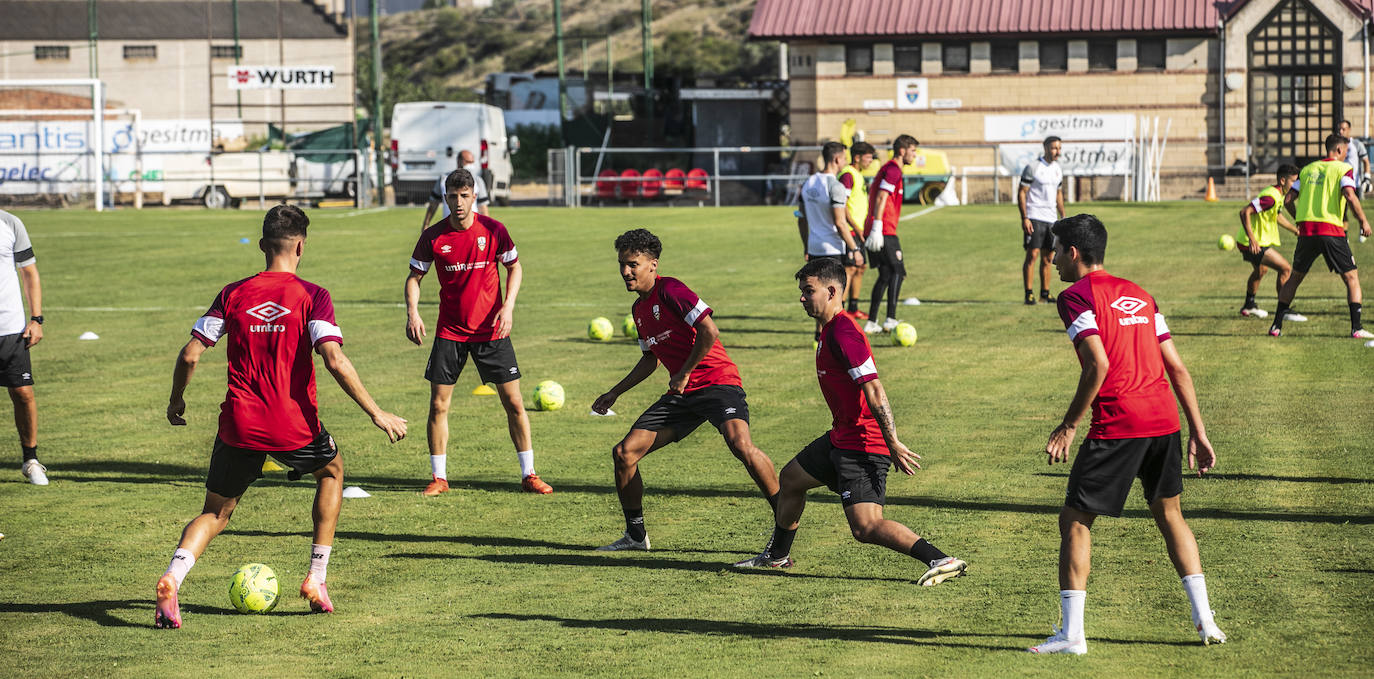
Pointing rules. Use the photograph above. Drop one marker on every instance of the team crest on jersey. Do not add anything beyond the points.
(482, 243)
(656, 317)
(446, 249)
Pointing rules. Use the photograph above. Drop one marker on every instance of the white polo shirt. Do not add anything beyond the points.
(1043, 178)
(15, 251)
(820, 195)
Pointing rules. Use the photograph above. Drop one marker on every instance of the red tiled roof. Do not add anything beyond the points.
(781, 19)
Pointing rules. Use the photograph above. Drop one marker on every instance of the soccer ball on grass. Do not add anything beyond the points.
(904, 335)
(600, 329)
(548, 395)
(253, 589)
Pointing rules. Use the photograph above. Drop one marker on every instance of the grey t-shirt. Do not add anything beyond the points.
(820, 195)
(15, 252)
(1353, 154)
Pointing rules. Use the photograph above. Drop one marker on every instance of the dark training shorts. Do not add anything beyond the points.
(1335, 249)
(890, 257)
(1039, 238)
(1257, 258)
(233, 469)
(683, 413)
(15, 369)
(495, 361)
(1105, 468)
(855, 476)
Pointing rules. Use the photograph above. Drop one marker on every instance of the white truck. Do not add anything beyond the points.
(219, 180)
(427, 136)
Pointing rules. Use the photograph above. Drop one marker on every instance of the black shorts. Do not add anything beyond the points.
(1335, 249)
(233, 469)
(495, 360)
(840, 259)
(683, 413)
(1257, 258)
(855, 476)
(1040, 237)
(15, 369)
(1104, 469)
(890, 257)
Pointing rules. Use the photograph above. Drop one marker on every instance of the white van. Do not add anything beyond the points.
(427, 136)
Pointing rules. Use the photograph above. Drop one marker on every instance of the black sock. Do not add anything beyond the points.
(926, 552)
(1030, 294)
(1044, 294)
(30, 453)
(1249, 302)
(773, 501)
(853, 306)
(781, 545)
(1355, 323)
(1279, 311)
(634, 524)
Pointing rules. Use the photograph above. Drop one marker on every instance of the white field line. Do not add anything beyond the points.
(918, 214)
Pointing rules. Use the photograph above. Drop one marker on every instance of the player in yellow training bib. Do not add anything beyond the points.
(1258, 240)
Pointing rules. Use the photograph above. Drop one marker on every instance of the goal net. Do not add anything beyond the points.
(53, 149)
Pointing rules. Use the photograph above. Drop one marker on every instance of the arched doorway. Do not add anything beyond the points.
(1295, 81)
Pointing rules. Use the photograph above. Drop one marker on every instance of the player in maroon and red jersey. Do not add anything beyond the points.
(852, 458)
(464, 250)
(270, 322)
(1128, 362)
(884, 210)
(675, 329)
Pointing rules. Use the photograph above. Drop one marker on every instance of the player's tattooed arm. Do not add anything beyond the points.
(882, 412)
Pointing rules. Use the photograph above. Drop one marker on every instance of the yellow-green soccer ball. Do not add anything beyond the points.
(600, 329)
(1226, 242)
(628, 326)
(253, 589)
(548, 395)
(904, 335)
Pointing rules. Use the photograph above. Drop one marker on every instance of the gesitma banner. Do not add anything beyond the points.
(913, 94)
(1068, 126)
(280, 77)
(1078, 158)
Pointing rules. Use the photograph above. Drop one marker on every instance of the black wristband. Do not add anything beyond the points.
(37, 319)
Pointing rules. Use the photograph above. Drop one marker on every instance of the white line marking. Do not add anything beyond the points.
(922, 212)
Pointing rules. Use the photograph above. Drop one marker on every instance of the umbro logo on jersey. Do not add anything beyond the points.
(514, 370)
(267, 311)
(845, 495)
(1129, 306)
(481, 242)
(729, 411)
(446, 249)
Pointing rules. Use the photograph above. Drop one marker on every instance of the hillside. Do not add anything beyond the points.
(446, 53)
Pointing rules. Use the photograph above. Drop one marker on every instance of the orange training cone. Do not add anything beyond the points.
(1211, 191)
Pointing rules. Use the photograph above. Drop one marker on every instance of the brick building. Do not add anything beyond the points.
(966, 73)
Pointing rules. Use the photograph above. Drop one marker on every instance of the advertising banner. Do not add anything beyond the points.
(280, 77)
(1078, 158)
(1069, 127)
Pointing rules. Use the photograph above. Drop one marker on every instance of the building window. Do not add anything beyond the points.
(955, 57)
(906, 59)
(1149, 54)
(1101, 55)
(140, 51)
(858, 59)
(52, 52)
(1054, 55)
(1006, 56)
(226, 51)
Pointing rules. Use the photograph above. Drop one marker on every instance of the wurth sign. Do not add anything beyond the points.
(280, 77)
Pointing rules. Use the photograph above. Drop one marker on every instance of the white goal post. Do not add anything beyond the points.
(96, 159)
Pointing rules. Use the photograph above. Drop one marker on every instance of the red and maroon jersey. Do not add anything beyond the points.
(889, 178)
(469, 281)
(666, 322)
(272, 321)
(844, 361)
(1135, 400)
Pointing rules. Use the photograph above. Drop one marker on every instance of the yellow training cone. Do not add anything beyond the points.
(483, 390)
(270, 466)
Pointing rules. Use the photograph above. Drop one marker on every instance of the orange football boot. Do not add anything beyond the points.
(317, 595)
(533, 484)
(435, 487)
(167, 614)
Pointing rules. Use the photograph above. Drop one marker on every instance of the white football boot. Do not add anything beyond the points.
(1060, 643)
(36, 473)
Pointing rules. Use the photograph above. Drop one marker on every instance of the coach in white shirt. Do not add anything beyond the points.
(436, 197)
(1041, 199)
(17, 335)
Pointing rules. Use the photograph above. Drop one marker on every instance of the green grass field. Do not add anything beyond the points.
(487, 581)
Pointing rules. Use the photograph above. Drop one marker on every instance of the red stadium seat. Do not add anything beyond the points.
(675, 180)
(628, 189)
(605, 190)
(698, 180)
(652, 186)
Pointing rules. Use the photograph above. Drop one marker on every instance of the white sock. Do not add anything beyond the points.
(1071, 609)
(319, 561)
(438, 465)
(526, 462)
(182, 560)
(1196, 587)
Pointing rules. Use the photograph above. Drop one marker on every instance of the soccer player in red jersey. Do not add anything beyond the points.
(1128, 363)
(884, 210)
(852, 458)
(270, 321)
(675, 329)
(474, 320)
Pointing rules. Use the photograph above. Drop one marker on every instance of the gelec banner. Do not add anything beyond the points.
(280, 77)
(1078, 158)
(1069, 127)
